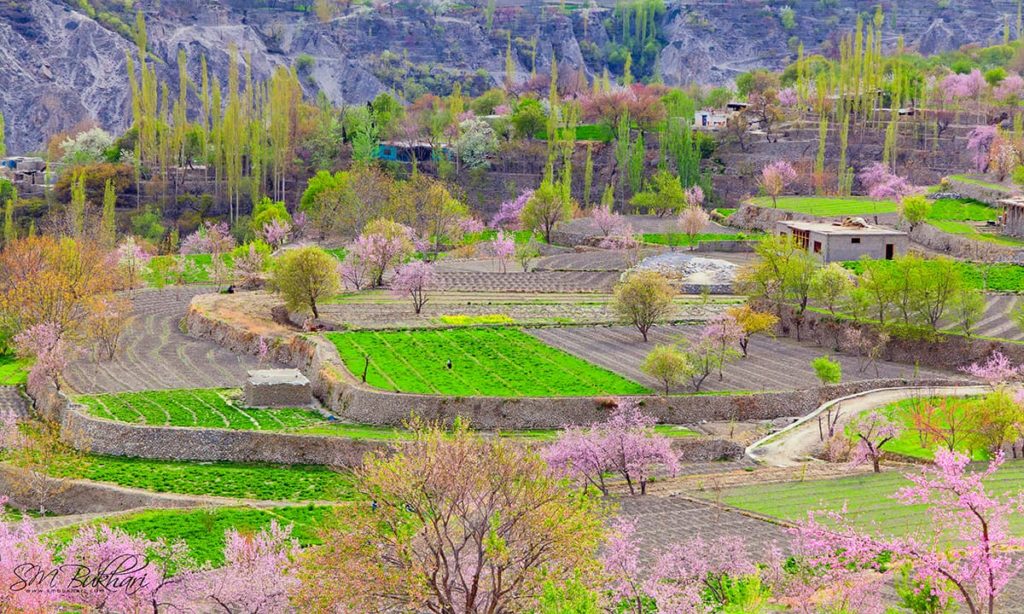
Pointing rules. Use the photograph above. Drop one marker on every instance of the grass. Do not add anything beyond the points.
(13, 370)
(240, 480)
(971, 232)
(520, 237)
(1002, 277)
(868, 497)
(387, 433)
(678, 239)
(196, 269)
(210, 408)
(481, 320)
(725, 211)
(980, 182)
(338, 252)
(203, 530)
(828, 206)
(908, 443)
(962, 210)
(586, 132)
(486, 362)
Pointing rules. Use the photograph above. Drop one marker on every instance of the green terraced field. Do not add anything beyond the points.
(909, 443)
(971, 232)
(486, 362)
(239, 480)
(196, 271)
(868, 497)
(207, 407)
(13, 370)
(203, 529)
(1002, 277)
(678, 239)
(827, 206)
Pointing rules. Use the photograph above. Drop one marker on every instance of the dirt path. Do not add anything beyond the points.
(794, 444)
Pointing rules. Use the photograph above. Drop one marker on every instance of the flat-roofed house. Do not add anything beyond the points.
(1013, 216)
(847, 240)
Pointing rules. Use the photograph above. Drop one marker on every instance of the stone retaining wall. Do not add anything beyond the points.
(82, 497)
(100, 436)
(340, 392)
(752, 217)
(943, 351)
(961, 246)
(980, 193)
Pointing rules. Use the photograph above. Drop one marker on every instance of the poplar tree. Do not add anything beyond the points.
(108, 221)
(3, 142)
(76, 209)
(588, 174)
(10, 233)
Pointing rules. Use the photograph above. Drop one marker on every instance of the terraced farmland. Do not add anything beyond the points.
(211, 408)
(485, 362)
(773, 364)
(203, 529)
(156, 355)
(868, 497)
(238, 480)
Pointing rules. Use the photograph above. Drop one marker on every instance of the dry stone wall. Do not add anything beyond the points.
(347, 398)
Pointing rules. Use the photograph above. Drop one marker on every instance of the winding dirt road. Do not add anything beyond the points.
(794, 444)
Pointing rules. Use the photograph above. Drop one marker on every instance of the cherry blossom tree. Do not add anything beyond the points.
(625, 444)
(510, 212)
(881, 184)
(775, 177)
(996, 371)
(210, 238)
(142, 562)
(606, 220)
(974, 571)
(504, 248)
(961, 87)
(979, 142)
(1009, 89)
(45, 344)
(382, 245)
(692, 221)
(873, 431)
(621, 561)
(21, 545)
(276, 231)
(132, 260)
(788, 97)
(412, 280)
(256, 575)
(724, 333)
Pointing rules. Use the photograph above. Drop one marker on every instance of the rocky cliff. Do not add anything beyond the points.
(60, 67)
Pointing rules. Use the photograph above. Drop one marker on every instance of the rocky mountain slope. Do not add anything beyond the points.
(60, 67)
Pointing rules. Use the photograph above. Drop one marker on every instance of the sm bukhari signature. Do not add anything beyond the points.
(125, 572)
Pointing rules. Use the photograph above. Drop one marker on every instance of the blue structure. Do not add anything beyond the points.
(393, 151)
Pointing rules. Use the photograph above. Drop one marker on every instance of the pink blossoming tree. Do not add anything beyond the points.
(979, 143)
(510, 212)
(873, 431)
(45, 344)
(973, 571)
(504, 248)
(881, 184)
(607, 221)
(775, 177)
(996, 371)
(276, 231)
(625, 444)
(412, 280)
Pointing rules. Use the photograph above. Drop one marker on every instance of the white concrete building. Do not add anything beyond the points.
(849, 240)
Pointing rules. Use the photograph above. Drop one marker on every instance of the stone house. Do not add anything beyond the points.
(847, 240)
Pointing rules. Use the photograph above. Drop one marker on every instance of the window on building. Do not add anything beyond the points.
(855, 240)
(817, 247)
(802, 238)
